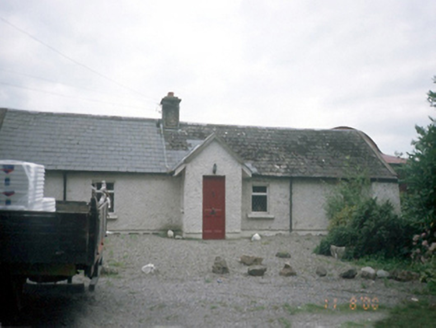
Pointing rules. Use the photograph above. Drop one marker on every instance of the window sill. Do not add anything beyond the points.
(112, 216)
(260, 216)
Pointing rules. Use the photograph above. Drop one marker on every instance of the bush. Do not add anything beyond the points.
(379, 231)
(372, 229)
(342, 202)
(338, 236)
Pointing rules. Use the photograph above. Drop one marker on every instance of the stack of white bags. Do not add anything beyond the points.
(22, 187)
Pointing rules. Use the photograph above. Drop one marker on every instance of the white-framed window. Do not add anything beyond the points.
(259, 199)
(110, 188)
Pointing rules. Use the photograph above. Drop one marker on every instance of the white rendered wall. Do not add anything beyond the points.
(277, 219)
(143, 203)
(309, 198)
(200, 166)
(54, 185)
(387, 191)
(308, 205)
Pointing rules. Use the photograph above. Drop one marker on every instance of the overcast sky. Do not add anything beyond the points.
(297, 64)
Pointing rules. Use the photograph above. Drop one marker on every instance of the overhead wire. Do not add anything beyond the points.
(74, 61)
(73, 97)
(60, 83)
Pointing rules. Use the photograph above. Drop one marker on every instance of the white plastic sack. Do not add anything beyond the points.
(149, 268)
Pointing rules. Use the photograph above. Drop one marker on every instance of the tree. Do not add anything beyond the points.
(432, 95)
(420, 178)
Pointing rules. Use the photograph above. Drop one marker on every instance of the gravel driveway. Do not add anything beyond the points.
(183, 291)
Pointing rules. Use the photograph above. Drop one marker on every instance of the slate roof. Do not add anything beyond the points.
(103, 143)
(82, 142)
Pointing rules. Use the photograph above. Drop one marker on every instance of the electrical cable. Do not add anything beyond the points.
(73, 60)
(66, 96)
(60, 83)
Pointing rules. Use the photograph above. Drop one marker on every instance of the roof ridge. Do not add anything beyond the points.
(196, 124)
(101, 116)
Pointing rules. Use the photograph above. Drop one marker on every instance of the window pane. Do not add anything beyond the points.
(259, 189)
(258, 203)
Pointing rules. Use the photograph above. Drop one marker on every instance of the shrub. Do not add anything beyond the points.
(350, 192)
(338, 236)
(370, 229)
(379, 231)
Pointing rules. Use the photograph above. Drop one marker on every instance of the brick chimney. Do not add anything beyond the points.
(170, 111)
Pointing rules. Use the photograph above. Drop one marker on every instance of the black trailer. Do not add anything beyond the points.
(51, 246)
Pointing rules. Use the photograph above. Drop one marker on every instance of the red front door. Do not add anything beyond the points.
(214, 207)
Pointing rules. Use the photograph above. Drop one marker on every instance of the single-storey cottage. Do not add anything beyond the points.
(208, 180)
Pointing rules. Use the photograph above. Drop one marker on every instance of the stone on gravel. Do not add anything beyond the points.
(257, 270)
(321, 271)
(256, 237)
(170, 234)
(251, 260)
(405, 276)
(382, 274)
(348, 274)
(220, 266)
(337, 252)
(149, 268)
(288, 271)
(178, 237)
(368, 273)
(283, 255)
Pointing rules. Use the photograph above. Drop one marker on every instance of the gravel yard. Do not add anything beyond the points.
(184, 292)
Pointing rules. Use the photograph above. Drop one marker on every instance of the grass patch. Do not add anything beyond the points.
(116, 264)
(387, 283)
(410, 314)
(307, 308)
(258, 308)
(285, 322)
(385, 264)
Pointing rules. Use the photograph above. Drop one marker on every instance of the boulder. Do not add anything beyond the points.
(257, 270)
(256, 237)
(321, 271)
(170, 234)
(288, 271)
(382, 274)
(405, 276)
(337, 252)
(283, 255)
(220, 266)
(368, 273)
(348, 274)
(251, 260)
